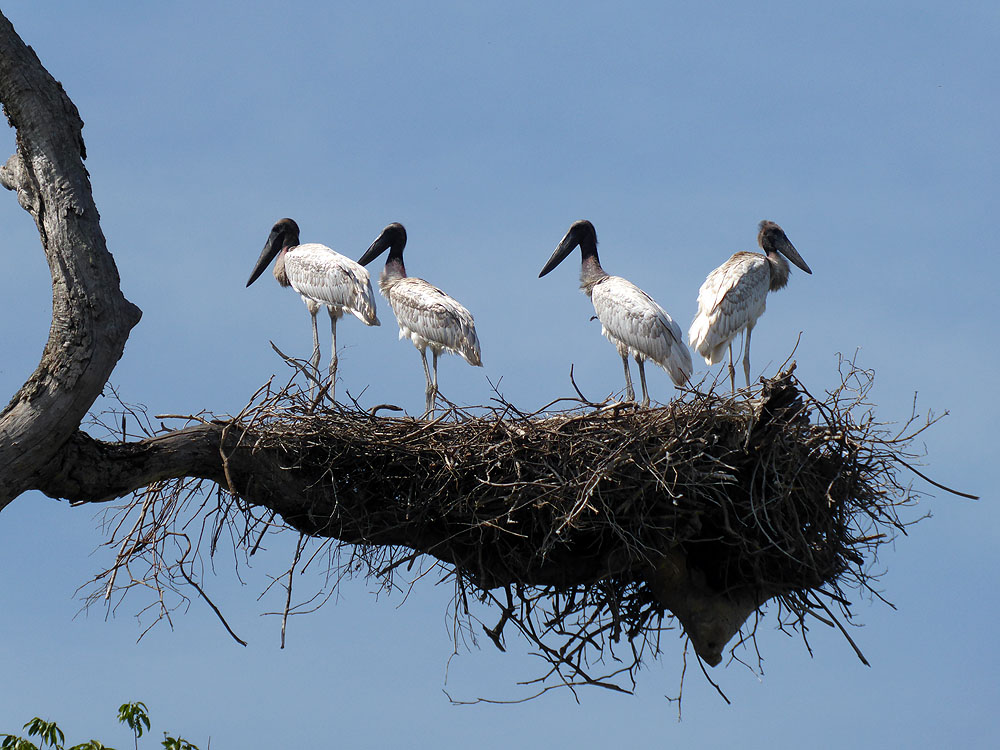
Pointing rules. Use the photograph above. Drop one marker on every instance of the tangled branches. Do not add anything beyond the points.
(588, 530)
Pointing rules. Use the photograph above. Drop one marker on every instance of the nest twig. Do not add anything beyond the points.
(585, 529)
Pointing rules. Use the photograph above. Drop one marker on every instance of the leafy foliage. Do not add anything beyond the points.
(133, 715)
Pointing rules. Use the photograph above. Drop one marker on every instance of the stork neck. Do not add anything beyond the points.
(394, 265)
(280, 275)
(392, 274)
(590, 269)
(779, 270)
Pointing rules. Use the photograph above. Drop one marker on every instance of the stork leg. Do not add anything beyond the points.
(746, 356)
(314, 359)
(629, 391)
(642, 379)
(429, 392)
(333, 357)
(732, 369)
(436, 353)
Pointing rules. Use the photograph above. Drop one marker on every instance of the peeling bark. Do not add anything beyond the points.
(91, 318)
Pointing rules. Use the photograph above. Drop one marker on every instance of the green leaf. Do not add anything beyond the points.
(12, 742)
(135, 716)
(177, 743)
(49, 731)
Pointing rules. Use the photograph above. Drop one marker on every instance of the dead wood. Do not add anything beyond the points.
(91, 318)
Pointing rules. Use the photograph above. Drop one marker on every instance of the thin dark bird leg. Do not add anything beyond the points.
(428, 392)
(732, 369)
(629, 391)
(333, 358)
(746, 356)
(435, 352)
(642, 379)
(314, 359)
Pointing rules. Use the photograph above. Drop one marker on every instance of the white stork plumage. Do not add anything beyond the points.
(734, 296)
(630, 318)
(323, 277)
(427, 316)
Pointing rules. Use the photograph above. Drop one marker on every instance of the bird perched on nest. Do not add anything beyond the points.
(734, 296)
(630, 318)
(324, 278)
(427, 316)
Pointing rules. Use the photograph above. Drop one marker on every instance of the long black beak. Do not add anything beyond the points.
(379, 246)
(786, 248)
(568, 244)
(271, 248)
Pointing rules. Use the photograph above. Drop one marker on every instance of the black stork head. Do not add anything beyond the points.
(393, 239)
(583, 235)
(285, 233)
(771, 238)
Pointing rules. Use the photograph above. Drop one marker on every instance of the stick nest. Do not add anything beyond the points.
(588, 529)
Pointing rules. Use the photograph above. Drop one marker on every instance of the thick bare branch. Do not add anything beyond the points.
(88, 470)
(91, 318)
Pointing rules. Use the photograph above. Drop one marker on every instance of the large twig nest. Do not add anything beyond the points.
(590, 526)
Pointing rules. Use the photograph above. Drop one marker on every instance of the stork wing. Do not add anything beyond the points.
(441, 320)
(326, 276)
(733, 296)
(633, 318)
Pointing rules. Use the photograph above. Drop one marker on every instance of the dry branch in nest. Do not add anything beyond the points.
(588, 529)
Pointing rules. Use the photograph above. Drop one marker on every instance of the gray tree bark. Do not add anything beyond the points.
(91, 319)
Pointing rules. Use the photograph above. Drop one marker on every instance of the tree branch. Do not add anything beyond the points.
(89, 470)
(91, 319)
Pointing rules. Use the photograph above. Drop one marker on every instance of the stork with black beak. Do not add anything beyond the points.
(630, 318)
(427, 316)
(734, 296)
(323, 277)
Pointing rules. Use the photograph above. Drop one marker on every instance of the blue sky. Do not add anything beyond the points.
(867, 130)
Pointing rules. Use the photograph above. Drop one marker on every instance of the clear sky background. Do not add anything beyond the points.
(867, 130)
